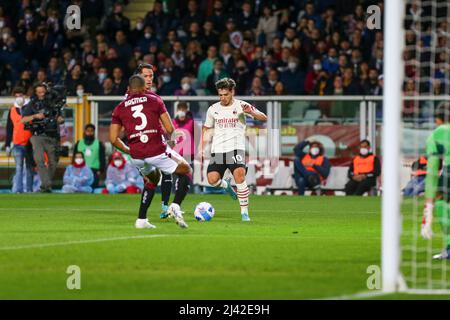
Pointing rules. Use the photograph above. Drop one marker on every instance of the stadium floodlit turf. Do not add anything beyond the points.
(294, 248)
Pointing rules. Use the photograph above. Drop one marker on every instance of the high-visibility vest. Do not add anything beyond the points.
(363, 165)
(318, 161)
(20, 135)
(422, 162)
(91, 153)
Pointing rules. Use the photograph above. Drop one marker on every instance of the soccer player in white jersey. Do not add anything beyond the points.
(228, 119)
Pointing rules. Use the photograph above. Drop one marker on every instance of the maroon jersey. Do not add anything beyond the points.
(139, 114)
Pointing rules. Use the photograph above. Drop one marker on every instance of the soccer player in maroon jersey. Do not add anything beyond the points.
(146, 71)
(141, 115)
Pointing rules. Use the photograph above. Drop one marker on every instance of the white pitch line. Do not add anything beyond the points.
(57, 244)
(358, 295)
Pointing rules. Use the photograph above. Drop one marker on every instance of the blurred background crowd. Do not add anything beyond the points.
(292, 47)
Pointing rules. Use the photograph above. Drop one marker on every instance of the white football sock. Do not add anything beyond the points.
(242, 193)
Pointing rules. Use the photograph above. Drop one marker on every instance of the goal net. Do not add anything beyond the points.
(425, 85)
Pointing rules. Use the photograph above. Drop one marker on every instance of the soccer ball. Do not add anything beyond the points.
(204, 211)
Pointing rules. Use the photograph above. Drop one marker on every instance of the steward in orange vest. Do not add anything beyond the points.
(312, 168)
(363, 171)
(419, 167)
(22, 150)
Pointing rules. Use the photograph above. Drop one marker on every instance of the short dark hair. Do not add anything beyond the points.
(366, 141)
(136, 81)
(20, 90)
(40, 84)
(143, 66)
(226, 83)
(89, 125)
(443, 111)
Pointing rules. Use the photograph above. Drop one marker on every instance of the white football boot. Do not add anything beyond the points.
(144, 224)
(175, 212)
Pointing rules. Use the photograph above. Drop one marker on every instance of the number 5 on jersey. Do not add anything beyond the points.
(137, 113)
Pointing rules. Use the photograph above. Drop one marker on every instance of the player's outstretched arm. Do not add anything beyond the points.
(114, 132)
(167, 123)
(255, 113)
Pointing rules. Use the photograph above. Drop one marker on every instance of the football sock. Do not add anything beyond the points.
(166, 188)
(220, 184)
(181, 188)
(242, 193)
(442, 209)
(146, 200)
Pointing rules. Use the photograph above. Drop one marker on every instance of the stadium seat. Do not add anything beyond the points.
(336, 179)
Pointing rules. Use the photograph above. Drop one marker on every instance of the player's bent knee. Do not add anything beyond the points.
(213, 178)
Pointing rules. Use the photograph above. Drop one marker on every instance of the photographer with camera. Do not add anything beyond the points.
(42, 116)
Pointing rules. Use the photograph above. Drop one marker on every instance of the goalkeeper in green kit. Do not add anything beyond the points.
(437, 186)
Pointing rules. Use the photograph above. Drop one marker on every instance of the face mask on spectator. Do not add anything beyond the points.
(292, 66)
(364, 151)
(181, 114)
(5, 36)
(118, 163)
(317, 67)
(28, 16)
(185, 86)
(166, 78)
(19, 102)
(80, 92)
(2, 23)
(315, 151)
(79, 161)
(272, 82)
(147, 35)
(102, 76)
(139, 26)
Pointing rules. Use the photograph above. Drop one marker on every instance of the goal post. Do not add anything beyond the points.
(391, 136)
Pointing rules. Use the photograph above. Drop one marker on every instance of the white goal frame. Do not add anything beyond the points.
(392, 280)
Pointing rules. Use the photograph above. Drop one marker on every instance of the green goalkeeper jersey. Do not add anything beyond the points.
(438, 149)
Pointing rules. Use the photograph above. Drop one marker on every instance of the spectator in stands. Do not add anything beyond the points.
(312, 76)
(256, 88)
(246, 19)
(166, 83)
(371, 86)
(158, 20)
(186, 88)
(312, 168)
(218, 16)
(206, 66)
(267, 27)
(330, 63)
(119, 83)
(116, 20)
(218, 73)
(210, 35)
(122, 177)
(184, 130)
(242, 77)
(293, 78)
(76, 78)
(77, 177)
(107, 87)
(22, 151)
(93, 151)
(416, 185)
(272, 80)
(123, 48)
(363, 171)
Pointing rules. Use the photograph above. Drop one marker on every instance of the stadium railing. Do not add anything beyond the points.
(339, 122)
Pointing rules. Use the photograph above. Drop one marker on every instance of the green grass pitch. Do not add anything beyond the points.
(294, 248)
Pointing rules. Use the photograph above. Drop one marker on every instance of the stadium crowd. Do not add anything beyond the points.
(269, 47)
